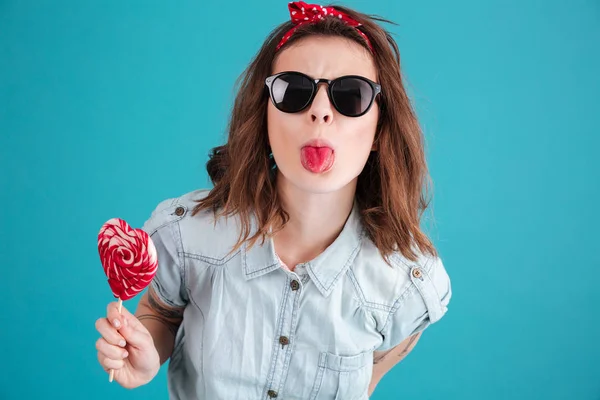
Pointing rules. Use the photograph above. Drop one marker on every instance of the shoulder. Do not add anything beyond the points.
(171, 210)
(199, 234)
(423, 283)
(403, 298)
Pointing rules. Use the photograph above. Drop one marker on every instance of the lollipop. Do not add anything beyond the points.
(129, 260)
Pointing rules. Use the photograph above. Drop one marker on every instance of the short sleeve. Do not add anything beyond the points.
(169, 282)
(424, 303)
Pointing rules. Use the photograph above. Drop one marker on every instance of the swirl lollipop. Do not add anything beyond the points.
(129, 260)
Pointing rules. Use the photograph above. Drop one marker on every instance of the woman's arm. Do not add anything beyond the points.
(162, 322)
(383, 361)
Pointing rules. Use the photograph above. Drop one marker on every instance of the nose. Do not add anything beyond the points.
(321, 109)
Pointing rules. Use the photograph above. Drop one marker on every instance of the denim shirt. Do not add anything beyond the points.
(254, 330)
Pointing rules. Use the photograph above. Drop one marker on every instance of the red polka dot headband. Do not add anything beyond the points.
(302, 14)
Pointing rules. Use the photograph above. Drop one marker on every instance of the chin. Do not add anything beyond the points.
(323, 183)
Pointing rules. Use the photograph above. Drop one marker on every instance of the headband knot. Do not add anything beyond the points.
(302, 14)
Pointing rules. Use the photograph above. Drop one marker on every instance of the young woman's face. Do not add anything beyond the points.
(318, 149)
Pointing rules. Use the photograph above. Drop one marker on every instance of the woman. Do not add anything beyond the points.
(303, 274)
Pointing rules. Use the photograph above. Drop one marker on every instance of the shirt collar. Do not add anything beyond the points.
(325, 270)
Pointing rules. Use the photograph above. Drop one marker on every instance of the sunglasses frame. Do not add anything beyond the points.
(375, 87)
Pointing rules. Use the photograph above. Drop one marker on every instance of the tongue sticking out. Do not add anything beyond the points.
(317, 159)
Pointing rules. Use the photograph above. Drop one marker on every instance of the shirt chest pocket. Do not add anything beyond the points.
(343, 377)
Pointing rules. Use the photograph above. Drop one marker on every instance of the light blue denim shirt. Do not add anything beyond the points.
(254, 330)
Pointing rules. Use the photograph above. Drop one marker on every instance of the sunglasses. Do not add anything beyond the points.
(351, 95)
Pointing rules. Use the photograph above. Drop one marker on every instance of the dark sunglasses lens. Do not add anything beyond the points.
(352, 96)
(291, 92)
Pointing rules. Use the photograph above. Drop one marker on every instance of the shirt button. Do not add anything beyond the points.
(179, 211)
(295, 285)
(272, 394)
(417, 273)
(284, 341)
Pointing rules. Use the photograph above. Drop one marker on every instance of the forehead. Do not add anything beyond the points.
(326, 57)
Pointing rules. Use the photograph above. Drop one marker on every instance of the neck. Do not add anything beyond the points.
(315, 221)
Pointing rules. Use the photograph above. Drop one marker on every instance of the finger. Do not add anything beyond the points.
(110, 351)
(114, 316)
(109, 333)
(109, 364)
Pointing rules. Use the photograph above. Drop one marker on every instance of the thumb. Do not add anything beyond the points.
(132, 333)
(131, 319)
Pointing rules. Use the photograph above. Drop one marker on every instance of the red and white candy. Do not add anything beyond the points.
(129, 260)
(128, 257)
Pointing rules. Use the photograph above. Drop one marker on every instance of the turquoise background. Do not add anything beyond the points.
(108, 107)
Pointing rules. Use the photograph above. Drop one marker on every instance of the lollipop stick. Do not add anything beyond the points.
(112, 371)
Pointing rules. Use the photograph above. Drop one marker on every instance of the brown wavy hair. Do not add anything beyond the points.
(391, 189)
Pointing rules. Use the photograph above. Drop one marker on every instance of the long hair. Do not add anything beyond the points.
(392, 188)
